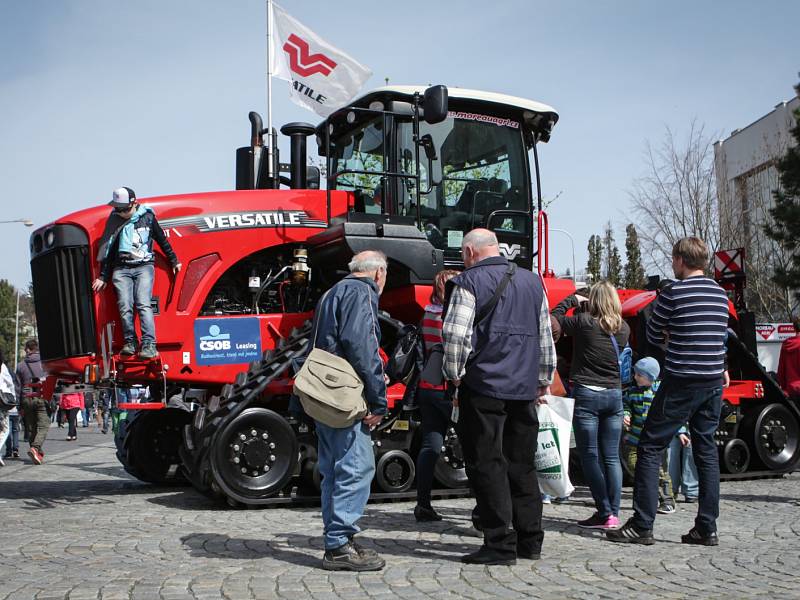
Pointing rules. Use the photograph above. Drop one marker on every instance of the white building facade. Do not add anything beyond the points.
(746, 174)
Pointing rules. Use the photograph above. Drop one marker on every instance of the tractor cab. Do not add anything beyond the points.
(442, 161)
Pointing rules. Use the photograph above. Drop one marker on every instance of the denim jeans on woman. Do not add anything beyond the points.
(134, 287)
(435, 410)
(12, 444)
(347, 464)
(597, 421)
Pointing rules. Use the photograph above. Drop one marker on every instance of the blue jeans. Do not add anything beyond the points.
(347, 464)
(674, 406)
(12, 444)
(598, 427)
(134, 286)
(435, 410)
(682, 469)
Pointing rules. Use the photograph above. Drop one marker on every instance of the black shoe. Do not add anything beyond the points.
(423, 514)
(347, 558)
(528, 555)
(695, 537)
(487, 556)
(129, 349)
(691, 500)
(105, 430)
(16, 454)
(630, 534)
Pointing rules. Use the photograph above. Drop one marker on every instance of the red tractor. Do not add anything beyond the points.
(409, 171)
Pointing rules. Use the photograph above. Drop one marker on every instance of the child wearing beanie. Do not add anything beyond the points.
(636, 404)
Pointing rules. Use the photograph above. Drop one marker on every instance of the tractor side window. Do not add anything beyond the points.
(362, 150)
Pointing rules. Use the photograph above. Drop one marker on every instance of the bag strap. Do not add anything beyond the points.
(487, 309)
(615, 344)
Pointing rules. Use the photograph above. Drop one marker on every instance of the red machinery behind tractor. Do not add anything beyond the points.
(409, 172)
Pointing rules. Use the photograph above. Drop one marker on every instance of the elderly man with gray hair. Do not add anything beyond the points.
(346, 324)
(500, 356)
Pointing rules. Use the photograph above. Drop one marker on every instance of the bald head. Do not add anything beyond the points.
(371, 264)
(477, 245)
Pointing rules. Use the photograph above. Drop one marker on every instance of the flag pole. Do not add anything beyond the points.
(269, 90)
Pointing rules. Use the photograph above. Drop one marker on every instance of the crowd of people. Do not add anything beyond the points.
(490, 358)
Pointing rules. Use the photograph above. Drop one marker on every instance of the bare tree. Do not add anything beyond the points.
(676, 197)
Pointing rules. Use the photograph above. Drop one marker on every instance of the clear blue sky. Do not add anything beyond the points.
(154, 95)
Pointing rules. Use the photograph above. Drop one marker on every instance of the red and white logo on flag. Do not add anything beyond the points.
(323, 78)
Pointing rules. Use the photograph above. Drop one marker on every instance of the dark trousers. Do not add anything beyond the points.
(672, 407)
(37, 421)
(498, 438)
(72, 420)
(435, 411)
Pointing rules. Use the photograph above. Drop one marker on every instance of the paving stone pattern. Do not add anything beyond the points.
(78, 527)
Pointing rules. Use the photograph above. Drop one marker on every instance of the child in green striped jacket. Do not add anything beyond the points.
(636, 404)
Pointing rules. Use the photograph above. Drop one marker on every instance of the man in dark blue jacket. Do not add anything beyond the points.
(501, 364)
(346, 324)
(127, 259)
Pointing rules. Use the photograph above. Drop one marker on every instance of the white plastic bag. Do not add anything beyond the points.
(552, 452)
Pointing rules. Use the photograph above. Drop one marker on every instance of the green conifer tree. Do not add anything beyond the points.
(634, 271)
(785, 226)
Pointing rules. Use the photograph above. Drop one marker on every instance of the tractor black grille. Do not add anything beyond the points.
(63, 299)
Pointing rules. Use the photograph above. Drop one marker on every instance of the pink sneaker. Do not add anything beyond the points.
(612, 522)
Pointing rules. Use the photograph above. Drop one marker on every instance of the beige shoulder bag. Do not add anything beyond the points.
(329, 389)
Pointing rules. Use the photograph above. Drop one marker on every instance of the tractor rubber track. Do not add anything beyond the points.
(199, 436)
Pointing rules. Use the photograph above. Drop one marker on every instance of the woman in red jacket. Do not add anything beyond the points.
(71, 403)
(789, 363)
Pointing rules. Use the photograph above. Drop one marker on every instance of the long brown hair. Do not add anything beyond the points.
(604, 305)
(441, 278)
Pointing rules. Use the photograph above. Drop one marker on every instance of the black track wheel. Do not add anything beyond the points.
(449, 469)
(148, 444)
(395, 471)
(776, 437)
(735, 456)
(253, 456)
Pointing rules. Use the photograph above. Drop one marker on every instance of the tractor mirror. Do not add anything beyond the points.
(434, 103)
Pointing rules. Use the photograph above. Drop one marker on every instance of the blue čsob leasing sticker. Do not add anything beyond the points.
(227, 341)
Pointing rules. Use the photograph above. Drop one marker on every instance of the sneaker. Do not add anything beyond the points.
(347, 558)
(594, 522)
(612, 522)
(691, 500)
(546, 499)
(129, 349)
(36, 456)
(15, 454)
(561, 500)
(105, 431)
(424, 514)
(695, 537)
(148, 352)
(630, 534)
(2, 463)
(667, 507)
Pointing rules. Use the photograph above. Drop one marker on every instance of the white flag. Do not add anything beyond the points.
(322, 77)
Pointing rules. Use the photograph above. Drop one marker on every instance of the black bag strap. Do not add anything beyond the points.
(487, 309)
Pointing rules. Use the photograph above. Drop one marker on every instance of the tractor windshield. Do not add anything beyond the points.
(476, 164)
(471, 165)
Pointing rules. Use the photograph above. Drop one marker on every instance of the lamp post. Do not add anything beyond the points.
(572, 241)
(26, 222)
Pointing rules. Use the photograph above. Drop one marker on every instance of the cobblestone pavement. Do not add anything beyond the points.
(77, 527)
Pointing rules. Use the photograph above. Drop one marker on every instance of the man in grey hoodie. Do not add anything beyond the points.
(37, 421)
